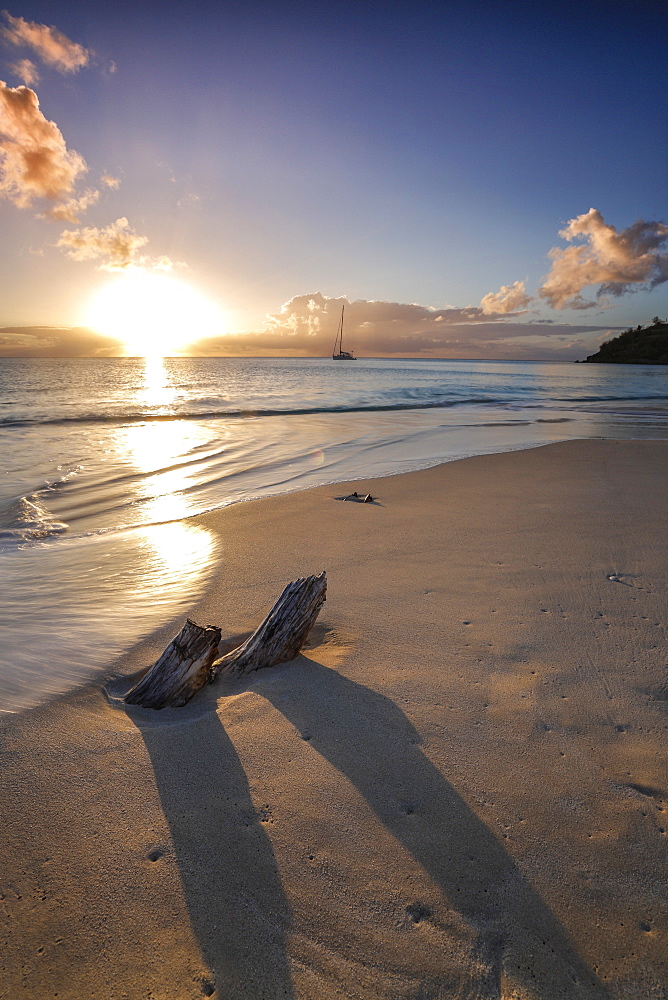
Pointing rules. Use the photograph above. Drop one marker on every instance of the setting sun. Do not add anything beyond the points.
(152, 313)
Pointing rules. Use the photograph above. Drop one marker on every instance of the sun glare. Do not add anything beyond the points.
(153, 313)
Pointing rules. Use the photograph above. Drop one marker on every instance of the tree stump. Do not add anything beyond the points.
(183, 668)
(283, 632)
(188, 662)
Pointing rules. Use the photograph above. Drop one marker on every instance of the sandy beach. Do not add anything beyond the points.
(459, 789)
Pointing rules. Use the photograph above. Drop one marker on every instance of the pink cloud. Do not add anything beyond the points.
(509, 299)
(618, 262)
(56, 342)
(115, 246)
(50, 45)
(26, 71)
(34, 159)
(306, 326)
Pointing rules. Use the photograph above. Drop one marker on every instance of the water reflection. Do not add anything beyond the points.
(157, 392)
(180, 548)
(159, 449)
(78, 600)
(156, 450)
(71, 606)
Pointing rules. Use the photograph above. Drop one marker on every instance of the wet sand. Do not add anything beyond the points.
(459, 789)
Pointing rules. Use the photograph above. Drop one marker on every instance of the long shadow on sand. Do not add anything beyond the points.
(373, 744)
(231, 886)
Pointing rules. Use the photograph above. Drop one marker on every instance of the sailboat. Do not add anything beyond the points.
(341, 355)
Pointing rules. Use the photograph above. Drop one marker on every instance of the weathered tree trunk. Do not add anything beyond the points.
(283, 632)
(188, 662)
(183, 668)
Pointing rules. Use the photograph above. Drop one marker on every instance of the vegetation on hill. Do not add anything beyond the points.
(646, 345)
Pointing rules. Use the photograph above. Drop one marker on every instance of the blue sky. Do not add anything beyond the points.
(406, 153)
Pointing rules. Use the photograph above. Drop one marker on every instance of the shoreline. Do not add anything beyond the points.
(458, 786)
(167, 630)
(102, 465)
(127, 661)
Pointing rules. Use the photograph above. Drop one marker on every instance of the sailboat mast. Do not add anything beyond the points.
(339, 335)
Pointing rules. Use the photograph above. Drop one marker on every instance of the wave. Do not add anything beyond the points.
(612, 399)
(30, 521)
(241, 413)
(140, 416)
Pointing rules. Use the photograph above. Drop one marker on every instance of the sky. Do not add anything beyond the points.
(470, 179)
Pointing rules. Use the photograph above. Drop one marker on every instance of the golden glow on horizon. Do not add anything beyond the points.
(153, 313)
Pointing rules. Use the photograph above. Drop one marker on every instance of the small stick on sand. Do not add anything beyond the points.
(188, 662)
(358, 498)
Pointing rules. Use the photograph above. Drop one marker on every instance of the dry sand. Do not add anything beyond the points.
(458, 790)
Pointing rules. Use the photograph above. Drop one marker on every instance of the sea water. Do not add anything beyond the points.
(104, 461)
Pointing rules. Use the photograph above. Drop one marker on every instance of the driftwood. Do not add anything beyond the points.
(358, 497)
(188, 662)
(283, 632)
(183, 668)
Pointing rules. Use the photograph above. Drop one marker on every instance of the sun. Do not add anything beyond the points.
(152, 313)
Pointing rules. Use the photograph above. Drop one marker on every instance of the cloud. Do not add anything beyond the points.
(509, 299)
(376, 329)
(306, 326)
(114, 246)
(26, 71)
(70, 210)
(111, 182)
(307, 318)
(56, 342)
(191, 200)
(618, 262)
(49, 44)
(34, 159)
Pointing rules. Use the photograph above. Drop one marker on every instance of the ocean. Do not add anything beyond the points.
(105, 461)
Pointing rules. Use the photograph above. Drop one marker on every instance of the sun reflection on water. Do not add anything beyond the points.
(157, 392)
(159, 449)
(179, 545)
(86, 600)
(153, 448)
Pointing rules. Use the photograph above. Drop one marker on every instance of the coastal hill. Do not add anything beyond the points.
(643, 346)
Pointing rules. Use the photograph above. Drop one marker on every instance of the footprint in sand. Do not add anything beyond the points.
(417, 912)
(648, 791)
(628, 580)
(207, 986)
